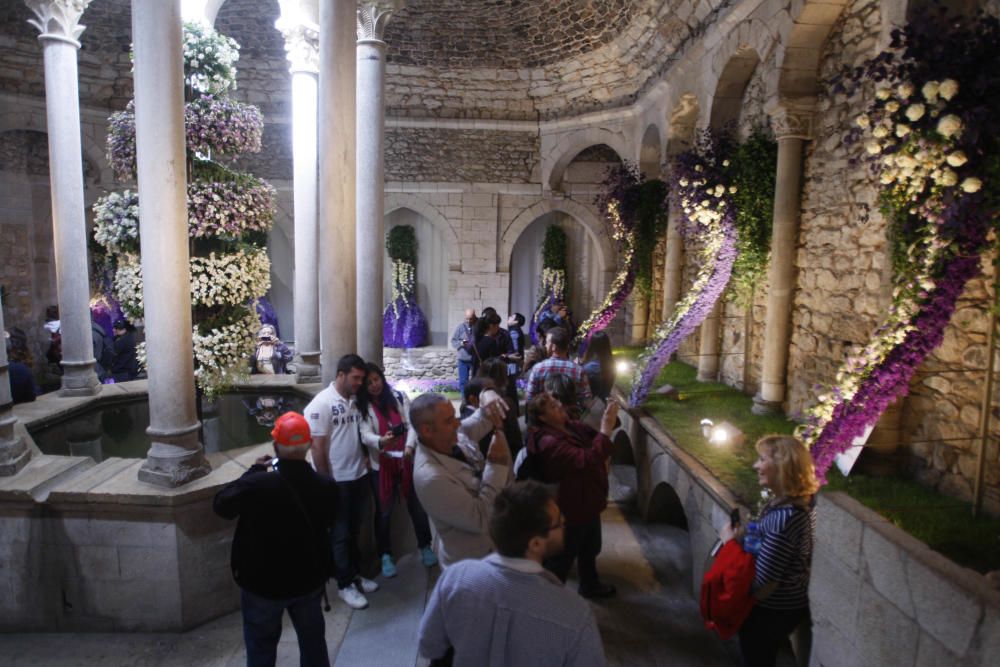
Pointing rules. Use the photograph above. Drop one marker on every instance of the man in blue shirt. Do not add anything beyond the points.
(463, 341)
(507, 609)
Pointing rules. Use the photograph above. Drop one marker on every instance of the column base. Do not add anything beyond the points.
(14, 455)
(79, 379)
(708, 376)
(309, 370)
(765, 407)
(171, 465)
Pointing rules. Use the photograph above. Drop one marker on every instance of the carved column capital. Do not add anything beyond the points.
(372, 20)
(792, 119)
(58, 20)
(301, 46)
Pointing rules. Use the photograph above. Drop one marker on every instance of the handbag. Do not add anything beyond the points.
(726, 600)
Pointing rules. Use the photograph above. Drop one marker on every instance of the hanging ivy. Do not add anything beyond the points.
(752, 171)
(650, 225)
(554, 248)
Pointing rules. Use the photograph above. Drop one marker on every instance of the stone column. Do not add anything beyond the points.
(302, 45)
(640, 318)
(673, 270)
(792, 123)
(337, 155)
(371, 179)
(175, 455)
(14, 454)
(58, 22)
(708, 345)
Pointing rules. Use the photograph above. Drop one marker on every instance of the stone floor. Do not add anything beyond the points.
(653, 620)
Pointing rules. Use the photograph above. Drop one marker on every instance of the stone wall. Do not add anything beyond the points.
(460, 155)
(420, 363)
(881, 597)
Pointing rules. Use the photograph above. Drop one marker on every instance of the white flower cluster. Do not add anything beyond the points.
(222, 355)
(708, 207)
(116, 220)
(209, 59)
(404, 276)
(912, 161)
(554, 282)
(128, 285)
(230, 278)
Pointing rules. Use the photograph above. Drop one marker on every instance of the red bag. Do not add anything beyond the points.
(725, 590)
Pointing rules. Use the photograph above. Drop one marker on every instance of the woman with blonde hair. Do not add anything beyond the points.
(782, 561)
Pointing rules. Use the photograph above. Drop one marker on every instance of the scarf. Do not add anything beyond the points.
(392, 470)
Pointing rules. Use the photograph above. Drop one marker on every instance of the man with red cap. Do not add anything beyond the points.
(281, 554)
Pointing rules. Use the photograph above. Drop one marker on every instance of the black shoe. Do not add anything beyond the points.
(598, 591)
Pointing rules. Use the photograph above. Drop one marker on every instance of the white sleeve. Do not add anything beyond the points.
(404, 410)
(318, 415)
(476, 426)
(369, 434)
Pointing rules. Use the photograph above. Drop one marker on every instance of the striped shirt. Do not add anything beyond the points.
(552, 366)
(786, 547)
(499, 612)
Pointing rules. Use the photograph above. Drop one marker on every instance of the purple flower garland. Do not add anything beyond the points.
(404, 324)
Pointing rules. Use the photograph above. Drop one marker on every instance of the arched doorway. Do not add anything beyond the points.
(432, 271)
(584, 274)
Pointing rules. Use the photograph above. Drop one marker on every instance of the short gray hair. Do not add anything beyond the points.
(422, 409)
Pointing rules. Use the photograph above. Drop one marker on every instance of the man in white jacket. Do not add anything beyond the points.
(455, 484)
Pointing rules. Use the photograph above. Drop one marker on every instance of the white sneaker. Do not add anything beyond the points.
(353, 597)
(366, 585)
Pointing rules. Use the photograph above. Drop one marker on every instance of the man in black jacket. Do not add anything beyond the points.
(281, 552)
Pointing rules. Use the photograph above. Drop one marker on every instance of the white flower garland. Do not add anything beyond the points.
(128, 285)
(230, 278)
(209, 59)
(116, 220)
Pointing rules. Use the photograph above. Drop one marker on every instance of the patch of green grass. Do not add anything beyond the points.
(944, 524)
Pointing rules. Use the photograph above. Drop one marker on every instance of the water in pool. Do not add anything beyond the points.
(234, 421)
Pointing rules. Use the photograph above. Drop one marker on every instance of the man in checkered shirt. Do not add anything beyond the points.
(557, 347)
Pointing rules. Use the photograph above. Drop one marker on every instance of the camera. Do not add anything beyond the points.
(398, 430)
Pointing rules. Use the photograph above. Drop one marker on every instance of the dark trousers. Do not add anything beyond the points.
(262, 628)
(352, 497)
(582, 543)
(421, 526)
(764, 633)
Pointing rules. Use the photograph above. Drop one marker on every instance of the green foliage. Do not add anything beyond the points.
(401, 244)
(752, 168)
(554, 248)
(650, 226)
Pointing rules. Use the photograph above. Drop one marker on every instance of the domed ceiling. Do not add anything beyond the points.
(503, 33)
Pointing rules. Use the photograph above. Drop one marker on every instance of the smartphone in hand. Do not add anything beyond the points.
(734, 517)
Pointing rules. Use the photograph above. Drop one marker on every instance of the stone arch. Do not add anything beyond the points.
(622, 452)
(800, 46)
(664, 505)
(730, 87)
(397, 200)
(582, 214)
(570, 145)
(651, 152)
(92, 153)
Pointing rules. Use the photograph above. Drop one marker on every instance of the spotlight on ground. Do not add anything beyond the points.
(624, 367)
(725, 434)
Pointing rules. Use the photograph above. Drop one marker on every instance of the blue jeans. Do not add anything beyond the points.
(352, 497)
(262, 628)
(464, 370)
(421, 525)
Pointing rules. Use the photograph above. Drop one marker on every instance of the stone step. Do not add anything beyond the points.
(41, 475)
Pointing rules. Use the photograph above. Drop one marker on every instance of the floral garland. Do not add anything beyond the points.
(223, 354)
(230, 278)
(127, 285)
(209, 59)
(704, 195)
(636, 215)
(931, 141)
(212, 125)
(553, 287)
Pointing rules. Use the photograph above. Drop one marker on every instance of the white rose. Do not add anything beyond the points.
(863, 122)
(915, 112)
(930, 91)
(905, 90)
(883, 93)
(880, 132)
(902, 130)
(892, 106)
(948, 178)
(971, 185)
(725, 163)
(906, 161)
(948, 89)
(873, 147)
(957, 159)
(949, 126)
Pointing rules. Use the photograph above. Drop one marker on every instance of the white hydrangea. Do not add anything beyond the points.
(915, 112)
(949, 126)
(948, 89)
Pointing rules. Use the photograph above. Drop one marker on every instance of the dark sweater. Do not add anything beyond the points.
(576, 461)
(275, 553)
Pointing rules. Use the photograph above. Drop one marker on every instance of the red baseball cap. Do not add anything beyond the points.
(291, 430)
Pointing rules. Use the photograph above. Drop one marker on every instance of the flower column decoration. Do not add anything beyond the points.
(932, 142)
(553, 275)
(635, 211)
(705, 198)
(229, 214)
(403, 323)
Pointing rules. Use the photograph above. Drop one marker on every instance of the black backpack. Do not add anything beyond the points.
(531, 467)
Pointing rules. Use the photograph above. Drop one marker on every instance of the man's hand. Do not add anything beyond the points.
(609, 418)
(264, 460)
(499, 452)
(496, 412)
